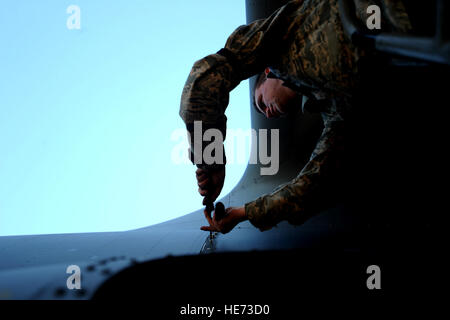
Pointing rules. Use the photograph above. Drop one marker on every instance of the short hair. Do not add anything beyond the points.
(259, 81)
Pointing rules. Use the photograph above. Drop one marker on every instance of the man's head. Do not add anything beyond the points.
(272, 98)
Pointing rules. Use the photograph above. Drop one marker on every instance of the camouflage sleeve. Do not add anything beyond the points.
(248, 50)
(302, 197)
(305, 195)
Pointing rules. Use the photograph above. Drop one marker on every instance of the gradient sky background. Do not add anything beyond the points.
(86, 116)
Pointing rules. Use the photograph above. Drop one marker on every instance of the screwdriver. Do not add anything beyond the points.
(219, 212)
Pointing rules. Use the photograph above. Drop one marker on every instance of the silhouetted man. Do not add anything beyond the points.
(299, 51)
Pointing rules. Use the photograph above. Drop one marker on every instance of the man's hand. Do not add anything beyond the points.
(233, 216)
(210, 184)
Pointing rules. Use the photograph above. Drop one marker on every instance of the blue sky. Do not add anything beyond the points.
(86, 116)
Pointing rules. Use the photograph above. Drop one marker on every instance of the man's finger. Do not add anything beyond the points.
(202, 184)
(199, 172)
(215, 221)
(202, 177)
(208, 228)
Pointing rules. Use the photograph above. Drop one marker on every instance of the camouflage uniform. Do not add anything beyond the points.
(304, 44)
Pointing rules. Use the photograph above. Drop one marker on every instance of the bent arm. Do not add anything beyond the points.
(248, 50)
(305, 195)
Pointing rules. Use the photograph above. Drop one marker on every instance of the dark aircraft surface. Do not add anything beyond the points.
(386, 215)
